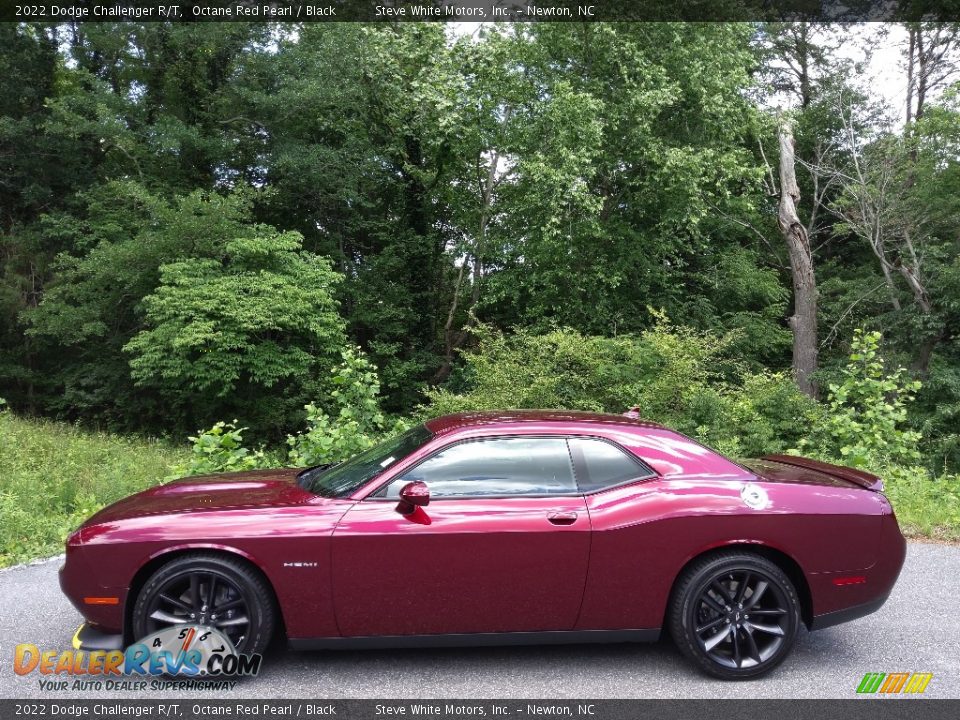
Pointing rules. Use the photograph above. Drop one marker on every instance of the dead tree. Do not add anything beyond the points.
(803, 322)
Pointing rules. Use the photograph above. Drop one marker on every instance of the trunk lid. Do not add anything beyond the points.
(791, 468)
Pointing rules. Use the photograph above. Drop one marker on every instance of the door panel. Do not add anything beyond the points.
(461, 565)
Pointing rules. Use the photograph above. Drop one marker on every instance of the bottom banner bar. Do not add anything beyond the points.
(858, 709)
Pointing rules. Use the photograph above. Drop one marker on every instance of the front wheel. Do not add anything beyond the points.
(211, 590)
(735, 615)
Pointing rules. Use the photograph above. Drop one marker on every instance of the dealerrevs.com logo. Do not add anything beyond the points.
(899, 683)
(192, 652)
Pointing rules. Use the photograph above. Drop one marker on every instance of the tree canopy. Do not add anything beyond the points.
(197, 220)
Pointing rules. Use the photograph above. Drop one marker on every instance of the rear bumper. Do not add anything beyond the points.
(840, 602)
(819, 622)
(91, 637)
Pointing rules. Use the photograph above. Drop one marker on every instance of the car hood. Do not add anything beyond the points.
(227, 491)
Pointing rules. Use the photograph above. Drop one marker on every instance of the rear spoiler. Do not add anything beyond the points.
(857, 477)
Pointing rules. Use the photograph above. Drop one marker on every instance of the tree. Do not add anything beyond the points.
(631, 143)
(221, 333)
(803, 322)
(94, 306)
(363, 169)
(931, 63)
(800, 57)
(485, 152)
(803, 68)
(888, 182)
(42, 164)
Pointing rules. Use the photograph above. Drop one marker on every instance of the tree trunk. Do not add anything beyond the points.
(911, 73)
(803, 322)
(911, 273)
(454, 338)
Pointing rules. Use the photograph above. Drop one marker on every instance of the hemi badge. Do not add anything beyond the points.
(300, 564)
(102, 600)
(851, 580)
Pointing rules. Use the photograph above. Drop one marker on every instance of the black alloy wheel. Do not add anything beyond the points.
(736, 615)
(211, 590)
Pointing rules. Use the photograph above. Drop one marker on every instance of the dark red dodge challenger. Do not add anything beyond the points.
(499, 528)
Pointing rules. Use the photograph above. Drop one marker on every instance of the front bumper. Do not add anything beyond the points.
(100, 606)
(90, 637)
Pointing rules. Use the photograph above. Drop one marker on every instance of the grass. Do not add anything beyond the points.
(926, 507)
(53, 476)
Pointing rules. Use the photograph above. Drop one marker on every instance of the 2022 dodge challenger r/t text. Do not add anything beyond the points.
(499, 528)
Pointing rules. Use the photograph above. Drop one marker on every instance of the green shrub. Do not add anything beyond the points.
(866, 416)
(684, 378)
(936, 414)
(560, 369)
(219, 449)
(359, 422)
(766, 413)
(248, 329)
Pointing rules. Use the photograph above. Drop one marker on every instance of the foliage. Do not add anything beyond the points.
(766, 414)
(866, 413)
(626, 163)
(219, 449)
(53, 476)
(536, 176)
(683, 378)
(198, 218)
(259, 318)
(937, 417)
(358, 422)
(559, 369)
(926, 505)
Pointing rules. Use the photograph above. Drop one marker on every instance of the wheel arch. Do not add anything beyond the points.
(790, 567)
(161, 558)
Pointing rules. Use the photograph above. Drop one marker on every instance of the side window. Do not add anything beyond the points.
(501, 466)
(604, 465)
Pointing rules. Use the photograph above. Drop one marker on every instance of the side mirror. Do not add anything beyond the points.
(413, 495)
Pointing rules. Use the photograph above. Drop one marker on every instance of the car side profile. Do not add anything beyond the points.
(499, 528)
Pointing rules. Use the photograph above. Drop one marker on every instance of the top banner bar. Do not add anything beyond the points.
(476, 11)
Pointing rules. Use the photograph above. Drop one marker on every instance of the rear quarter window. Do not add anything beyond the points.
(601, 464)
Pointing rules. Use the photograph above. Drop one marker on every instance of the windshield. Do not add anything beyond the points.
(342, 479)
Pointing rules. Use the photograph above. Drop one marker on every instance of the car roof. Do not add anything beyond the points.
(449, 423)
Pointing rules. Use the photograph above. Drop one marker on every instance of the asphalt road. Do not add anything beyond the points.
(917, 630)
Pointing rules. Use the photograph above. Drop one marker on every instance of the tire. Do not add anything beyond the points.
(239, 590)
(734, 614)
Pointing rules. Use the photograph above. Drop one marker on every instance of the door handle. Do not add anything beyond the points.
(560, 517)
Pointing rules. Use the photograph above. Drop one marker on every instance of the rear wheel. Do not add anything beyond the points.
(211, 590)
(735, 615)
